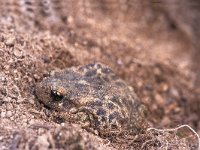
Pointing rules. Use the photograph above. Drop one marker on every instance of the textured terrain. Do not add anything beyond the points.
(147, 44)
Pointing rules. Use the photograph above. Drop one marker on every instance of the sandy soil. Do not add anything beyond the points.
(140, 45)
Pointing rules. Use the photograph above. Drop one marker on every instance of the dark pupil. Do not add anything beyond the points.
(55, 96)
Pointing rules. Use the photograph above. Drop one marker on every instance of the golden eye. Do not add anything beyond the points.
(56, 95)
(61, 91)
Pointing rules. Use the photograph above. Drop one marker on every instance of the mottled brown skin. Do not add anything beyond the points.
(93, 96)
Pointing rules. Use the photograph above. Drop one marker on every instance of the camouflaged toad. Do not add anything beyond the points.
(93, 96)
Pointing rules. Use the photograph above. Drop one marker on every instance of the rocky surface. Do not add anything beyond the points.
(140, 44)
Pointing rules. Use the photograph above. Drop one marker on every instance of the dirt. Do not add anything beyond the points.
(140, 44)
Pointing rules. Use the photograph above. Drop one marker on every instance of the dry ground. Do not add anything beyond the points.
(140, 45)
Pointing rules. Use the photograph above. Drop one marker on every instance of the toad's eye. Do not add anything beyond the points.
(57, 96)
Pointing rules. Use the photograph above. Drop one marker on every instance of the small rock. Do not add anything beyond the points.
(164, 87)
(1, 138)
(7, 67)
(62, 124)
(36, 76)
(174, 92)
(20, 100)
(30, 79)
(120, 62)
(7, 99)
(8, 114)
(15, 71)
(12, 118)
(10, 41)
(3, 114)
(2, 78)
(70, 19)
(31, 100)
(18, 53)
(159, 99)
(73, 110)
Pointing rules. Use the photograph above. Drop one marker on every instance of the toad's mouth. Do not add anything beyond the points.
(83, 117)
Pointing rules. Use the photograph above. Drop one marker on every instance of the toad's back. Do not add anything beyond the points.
(95, 92)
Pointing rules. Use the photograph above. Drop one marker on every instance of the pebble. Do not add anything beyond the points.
(3, 114)
(1, 138)
(36, 76)
(73, 110)
(7, 67)
(18, 53)
(12, 118)
(10, 41)
(70, 19)
(7, 99)
(159, 99)
(31, 101)
(8, 114)
(2, 78)
(164, 87)
(174, 92)
(62, 124)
